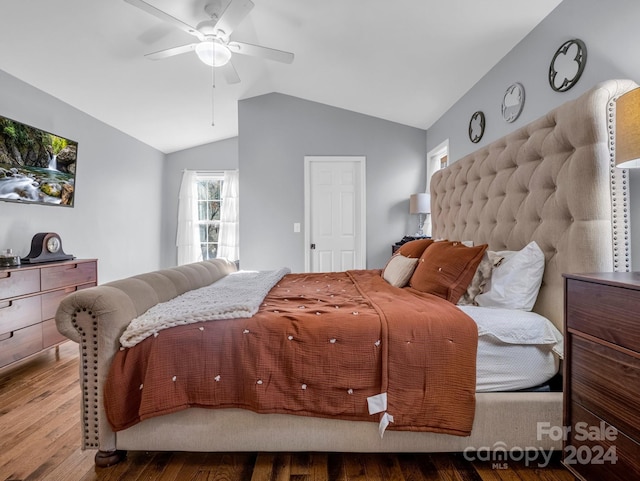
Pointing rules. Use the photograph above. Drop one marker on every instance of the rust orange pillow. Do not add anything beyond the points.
(445, 269)
(414, 249)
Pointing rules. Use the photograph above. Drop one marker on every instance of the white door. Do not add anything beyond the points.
(335, 214)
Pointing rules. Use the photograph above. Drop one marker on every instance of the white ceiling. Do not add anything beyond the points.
(406, 61)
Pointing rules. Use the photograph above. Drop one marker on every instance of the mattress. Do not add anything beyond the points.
(516, 349)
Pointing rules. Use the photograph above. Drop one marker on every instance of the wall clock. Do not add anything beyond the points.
(512, 102)
(476, 126)
(567, 65)
(46, 247)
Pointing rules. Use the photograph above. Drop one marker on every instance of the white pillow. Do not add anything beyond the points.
(399, 270)
(515, 283)
(516, 327)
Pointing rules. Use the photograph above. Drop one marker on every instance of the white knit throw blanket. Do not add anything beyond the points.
(235, 296)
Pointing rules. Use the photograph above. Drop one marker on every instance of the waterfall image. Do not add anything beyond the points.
(53, 163)
(36, 166)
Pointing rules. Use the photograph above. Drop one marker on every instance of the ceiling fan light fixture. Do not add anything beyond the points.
(213, 53)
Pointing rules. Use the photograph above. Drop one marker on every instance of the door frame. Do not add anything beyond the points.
(360, 160)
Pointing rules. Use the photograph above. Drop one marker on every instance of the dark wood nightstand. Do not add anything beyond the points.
(602, 376)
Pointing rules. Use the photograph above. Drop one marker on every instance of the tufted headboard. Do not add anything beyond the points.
(552, 181)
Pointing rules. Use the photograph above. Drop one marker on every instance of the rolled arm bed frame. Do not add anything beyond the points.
(552, 181)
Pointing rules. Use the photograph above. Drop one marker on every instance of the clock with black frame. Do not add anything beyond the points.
(46, 247)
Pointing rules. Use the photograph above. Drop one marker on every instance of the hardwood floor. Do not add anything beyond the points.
(40, 440)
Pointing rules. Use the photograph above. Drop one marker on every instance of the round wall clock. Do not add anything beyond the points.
(512, 102)
(567, 65)
(476, 126)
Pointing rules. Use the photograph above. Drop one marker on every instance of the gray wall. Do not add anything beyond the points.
(609, 29)
(116, 218)
(276, 132)
(222, 155)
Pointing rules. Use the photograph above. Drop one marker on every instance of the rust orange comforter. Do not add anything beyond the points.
(320, 345)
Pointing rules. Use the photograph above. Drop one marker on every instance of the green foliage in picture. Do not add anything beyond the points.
(57, 144)
(18, 133)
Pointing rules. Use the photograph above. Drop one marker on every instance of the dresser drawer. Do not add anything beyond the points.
(20, 344)
(19, 313)
(607, 382)
(604, 454)
(607, 312)
(68, 275)
(19, 282)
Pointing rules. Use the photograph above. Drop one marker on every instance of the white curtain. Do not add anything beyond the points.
(229, 213)
(188, 238)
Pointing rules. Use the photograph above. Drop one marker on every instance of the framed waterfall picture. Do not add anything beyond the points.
(36, 167)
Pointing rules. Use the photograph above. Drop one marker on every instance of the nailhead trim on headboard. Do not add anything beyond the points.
(619, 201)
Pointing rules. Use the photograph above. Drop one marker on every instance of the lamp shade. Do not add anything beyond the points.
(628, 130)
(420, 204)
(213, 52)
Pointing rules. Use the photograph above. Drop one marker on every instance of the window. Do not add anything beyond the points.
(208, 216)
(437, 158)
(209, 198)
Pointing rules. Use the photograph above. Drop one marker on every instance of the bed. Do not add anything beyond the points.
(551, 183)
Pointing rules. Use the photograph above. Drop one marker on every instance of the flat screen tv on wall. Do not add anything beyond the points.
(36, 167)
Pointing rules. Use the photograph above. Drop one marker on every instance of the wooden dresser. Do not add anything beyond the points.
(29, 298)
(602, 376)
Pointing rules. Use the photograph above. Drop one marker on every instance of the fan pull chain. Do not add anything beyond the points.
(213, 89)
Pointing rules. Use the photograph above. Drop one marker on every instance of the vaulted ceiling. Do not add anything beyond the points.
(406, 61)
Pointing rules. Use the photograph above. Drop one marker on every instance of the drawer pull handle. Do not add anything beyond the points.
(4, 305)
(6, 336)
(5, 275)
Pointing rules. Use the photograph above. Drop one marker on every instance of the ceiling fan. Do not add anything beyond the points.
(214, 47)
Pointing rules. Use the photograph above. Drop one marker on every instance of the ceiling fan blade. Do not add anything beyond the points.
(233, 15)
(230, 74)
(156, 12)
(170, 52)
(263, 52)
